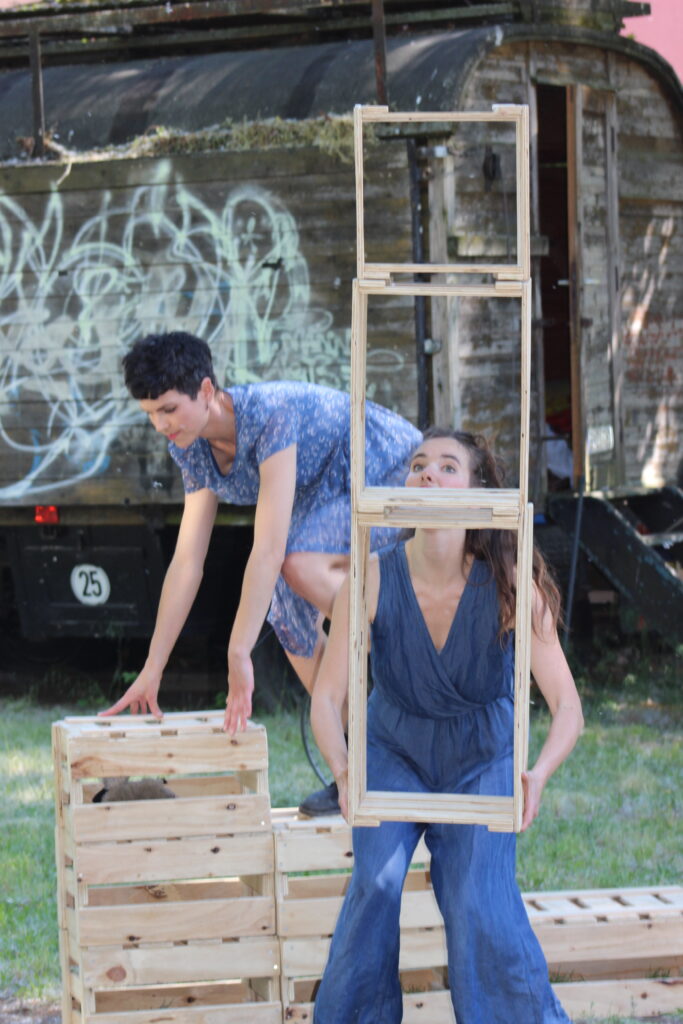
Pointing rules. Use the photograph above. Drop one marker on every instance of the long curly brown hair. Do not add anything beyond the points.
(498, 548)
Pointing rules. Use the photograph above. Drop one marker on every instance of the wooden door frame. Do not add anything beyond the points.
(575, 251)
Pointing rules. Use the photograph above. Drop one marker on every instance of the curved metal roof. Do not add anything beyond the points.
(97, 105)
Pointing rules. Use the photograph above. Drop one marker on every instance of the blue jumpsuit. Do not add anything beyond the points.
(438, 721)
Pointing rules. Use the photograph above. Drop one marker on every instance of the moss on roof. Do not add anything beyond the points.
(332, 135)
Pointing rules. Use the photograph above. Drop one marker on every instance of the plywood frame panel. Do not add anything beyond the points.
(443, 507)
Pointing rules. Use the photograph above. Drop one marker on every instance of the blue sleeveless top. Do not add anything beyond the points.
(449, 712)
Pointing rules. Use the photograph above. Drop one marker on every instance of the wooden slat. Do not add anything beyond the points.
(177, 922)
(317, 916)
(167, 755)
(511, 271)
(501, 290)
(641, 941)
(494, 811)
(304, 957)
(168, 892)
(667, 893)
(524, 566)
(116, 968)
(160, 860)
(308, 845)
(445, 506)
(648, 997)
(502, 112)
(418, 1008)
(166, 997)
(245, 1013)
(169, 819)
(320, 852)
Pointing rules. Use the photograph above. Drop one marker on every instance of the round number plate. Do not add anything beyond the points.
(90, 584)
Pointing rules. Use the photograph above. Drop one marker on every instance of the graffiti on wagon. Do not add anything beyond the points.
(74, 296)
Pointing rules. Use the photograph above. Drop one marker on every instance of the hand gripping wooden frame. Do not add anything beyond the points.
(446, 507)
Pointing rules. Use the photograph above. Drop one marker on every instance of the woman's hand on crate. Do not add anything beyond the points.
(240, 690)
(141, 697)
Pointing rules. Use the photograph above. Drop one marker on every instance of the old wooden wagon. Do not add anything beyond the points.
(200, 178)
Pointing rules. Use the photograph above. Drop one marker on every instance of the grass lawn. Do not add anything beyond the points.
(611, 815)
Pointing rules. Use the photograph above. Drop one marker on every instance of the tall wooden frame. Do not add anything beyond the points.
(446, 507)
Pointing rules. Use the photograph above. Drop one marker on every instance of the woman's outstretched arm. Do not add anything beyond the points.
(178, 592)
(271, 528)
(552, 673)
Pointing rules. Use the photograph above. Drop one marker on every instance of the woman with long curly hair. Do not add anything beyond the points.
(440, 720)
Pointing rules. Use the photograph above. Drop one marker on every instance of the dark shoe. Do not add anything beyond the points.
(323, 801)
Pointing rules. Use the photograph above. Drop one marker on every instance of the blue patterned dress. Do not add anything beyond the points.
(270, 417)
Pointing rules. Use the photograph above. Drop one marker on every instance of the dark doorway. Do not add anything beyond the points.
(553, 182)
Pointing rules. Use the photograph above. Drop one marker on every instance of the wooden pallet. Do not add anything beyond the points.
(603, 944)
(166, 904)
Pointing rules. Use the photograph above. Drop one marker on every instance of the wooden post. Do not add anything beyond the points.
(38, 103)
(379, 36)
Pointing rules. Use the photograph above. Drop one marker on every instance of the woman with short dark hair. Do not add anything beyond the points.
(282, 446)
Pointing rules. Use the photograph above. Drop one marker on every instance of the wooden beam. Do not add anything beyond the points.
(379, 35)
(312, 15)
(37, 92)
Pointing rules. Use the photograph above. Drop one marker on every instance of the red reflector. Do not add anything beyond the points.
(48, 515)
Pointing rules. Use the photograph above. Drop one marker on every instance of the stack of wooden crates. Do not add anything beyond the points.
(166, 907)
(210, 909)
(609, 951)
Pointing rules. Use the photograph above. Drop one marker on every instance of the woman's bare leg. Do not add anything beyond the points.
(316, 576)
(307, 668)
(325, 800)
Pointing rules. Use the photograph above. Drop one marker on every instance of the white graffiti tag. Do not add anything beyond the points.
(73, 299)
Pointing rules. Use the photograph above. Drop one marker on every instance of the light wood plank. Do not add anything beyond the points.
(648, 997)
(165, 754)
(161, 861)
(501, 289)
(177, 922)
(494, 811)
(313, 916)
(245, 1013)
(170, 819)
(160, 965)
(304, 957)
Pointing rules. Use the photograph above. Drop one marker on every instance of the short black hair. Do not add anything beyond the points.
(176, 361)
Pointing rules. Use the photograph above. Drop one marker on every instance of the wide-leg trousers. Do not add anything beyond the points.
(496, 968)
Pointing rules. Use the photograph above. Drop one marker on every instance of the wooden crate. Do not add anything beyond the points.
(308, 905)
(166, 905)
(608, 949)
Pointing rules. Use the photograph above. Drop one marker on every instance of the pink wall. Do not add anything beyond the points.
(662, 30)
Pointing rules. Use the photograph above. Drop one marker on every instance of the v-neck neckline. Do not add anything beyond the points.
(451, 629)
(228, 472)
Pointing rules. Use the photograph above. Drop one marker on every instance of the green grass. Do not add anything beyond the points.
(609, 816)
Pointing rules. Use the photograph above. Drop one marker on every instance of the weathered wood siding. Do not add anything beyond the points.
(650, 153)
(476, 375)
(255, 252)
(631, 355)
